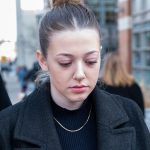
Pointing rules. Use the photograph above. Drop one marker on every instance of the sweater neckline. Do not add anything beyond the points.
(72, 118)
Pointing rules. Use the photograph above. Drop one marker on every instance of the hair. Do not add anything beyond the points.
(114, 72)
(62, 2)
(65, 15)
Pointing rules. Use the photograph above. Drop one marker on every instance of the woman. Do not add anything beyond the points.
(4, 98)
(70, 112)
(118, 81)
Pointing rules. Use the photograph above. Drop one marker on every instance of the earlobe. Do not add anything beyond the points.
(42, 61)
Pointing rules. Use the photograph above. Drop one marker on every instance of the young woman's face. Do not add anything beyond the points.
(73, 62)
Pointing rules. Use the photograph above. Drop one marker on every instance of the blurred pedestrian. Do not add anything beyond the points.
(32, 73)
(68, 111)
(31, 77)
(118, 81)
(21, 74)
(4, 98)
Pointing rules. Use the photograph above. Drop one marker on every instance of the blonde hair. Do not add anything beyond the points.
(114, 72)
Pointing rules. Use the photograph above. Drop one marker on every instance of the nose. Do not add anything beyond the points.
(79, 73)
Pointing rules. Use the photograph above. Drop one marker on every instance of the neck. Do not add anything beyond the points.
(63, 102)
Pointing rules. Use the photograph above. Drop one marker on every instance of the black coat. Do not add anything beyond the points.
(4, 98)
(29, 125)
(132, 92)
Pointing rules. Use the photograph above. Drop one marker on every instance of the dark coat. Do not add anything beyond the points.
(132, 92)
(4, 98)
(29, 125)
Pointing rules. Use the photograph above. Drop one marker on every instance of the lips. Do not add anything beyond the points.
(79, 88)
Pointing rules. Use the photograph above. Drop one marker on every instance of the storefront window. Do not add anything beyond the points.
(137, 40)
(136, 58)
(147, 59)
(143, 4)
(133, 6)
(138, 75)
(147, 39)
(147, 77)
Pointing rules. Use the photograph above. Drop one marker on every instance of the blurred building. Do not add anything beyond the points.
(141, 40)
(27, 32)
(106, 12)
(27, 38)
(125, 24)
(125, 32)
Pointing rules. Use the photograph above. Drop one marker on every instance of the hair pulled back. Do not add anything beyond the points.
(62, 2)
(65, 15)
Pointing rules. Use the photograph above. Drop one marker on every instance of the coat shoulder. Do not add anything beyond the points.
(121, 107)
(10, 114)
(128, 106)
(14, 110)
(124, 103)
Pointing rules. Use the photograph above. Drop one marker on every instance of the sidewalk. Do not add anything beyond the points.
(12, 86)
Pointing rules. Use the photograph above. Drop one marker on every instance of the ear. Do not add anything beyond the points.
(42, 61)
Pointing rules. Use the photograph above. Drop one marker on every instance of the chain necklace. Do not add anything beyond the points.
(76, 130)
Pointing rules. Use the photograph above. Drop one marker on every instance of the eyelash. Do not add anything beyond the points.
(65, 64)
(91, 62)
(87, 62)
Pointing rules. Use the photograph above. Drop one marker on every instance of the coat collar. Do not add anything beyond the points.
(110, 117)
(35, 123)
(109, 112)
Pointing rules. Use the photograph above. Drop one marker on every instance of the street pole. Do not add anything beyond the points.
(102, 13)
(102, 22)
(124, 28)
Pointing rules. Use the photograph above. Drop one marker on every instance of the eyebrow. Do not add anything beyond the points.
(64, 54)
(70, 55)
(91, 52)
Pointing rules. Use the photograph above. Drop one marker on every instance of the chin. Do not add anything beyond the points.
(79, 98)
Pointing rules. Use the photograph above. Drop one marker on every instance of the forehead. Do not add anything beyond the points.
(76, 32)
(74, 41)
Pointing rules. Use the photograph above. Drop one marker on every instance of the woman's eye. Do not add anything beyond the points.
(65, 64)
(91, 62)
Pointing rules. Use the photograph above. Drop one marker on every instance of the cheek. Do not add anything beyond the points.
(93, 73)
(59, 76)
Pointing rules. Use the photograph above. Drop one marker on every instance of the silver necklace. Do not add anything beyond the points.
(76, 130)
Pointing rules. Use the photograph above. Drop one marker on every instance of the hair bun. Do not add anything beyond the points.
(61, 2)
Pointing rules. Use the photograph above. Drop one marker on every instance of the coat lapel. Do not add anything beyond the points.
(35, 124)
(114, 139)
(110, 117)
